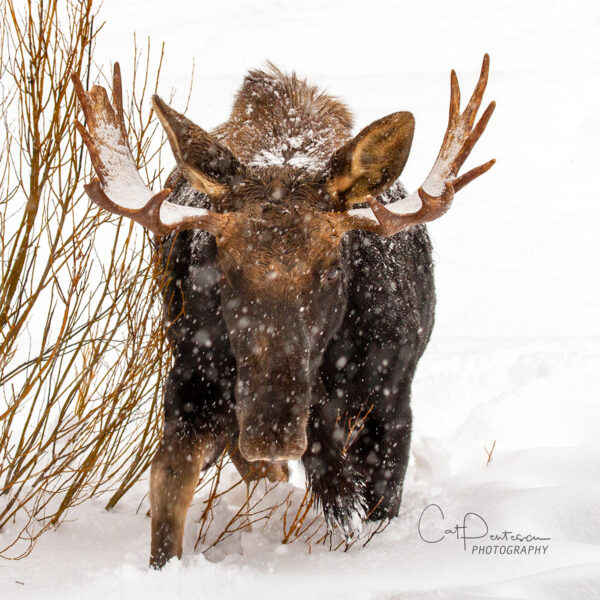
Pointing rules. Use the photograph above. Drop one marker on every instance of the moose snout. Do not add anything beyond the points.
(272, 406)
(267, 436)
(273, 446)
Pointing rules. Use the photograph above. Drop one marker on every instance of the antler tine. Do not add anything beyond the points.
(117, 98)
(454, 100)
(473, 138)
(472, 174)
(437, 192)
(119, 188)
(475, 101)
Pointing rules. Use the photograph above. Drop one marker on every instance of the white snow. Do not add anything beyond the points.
(124, 185)
(299, 160)
(516, 347)
(171, 214)
(411, 204)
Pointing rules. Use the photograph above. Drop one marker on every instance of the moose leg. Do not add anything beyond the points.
(381, 449)
(173, 478)
(381, 454)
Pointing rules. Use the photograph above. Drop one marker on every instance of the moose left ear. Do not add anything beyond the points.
(209, 166)
(369, 164)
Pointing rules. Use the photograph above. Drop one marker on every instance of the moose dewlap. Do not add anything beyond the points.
(291, 309)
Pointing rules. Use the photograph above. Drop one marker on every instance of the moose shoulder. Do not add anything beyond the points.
(299, 288)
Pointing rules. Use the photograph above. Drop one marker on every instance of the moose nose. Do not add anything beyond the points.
(272, 443)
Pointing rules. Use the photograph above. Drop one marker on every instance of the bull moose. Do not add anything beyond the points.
(299, 287)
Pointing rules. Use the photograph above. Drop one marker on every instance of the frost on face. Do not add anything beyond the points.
(302, 151)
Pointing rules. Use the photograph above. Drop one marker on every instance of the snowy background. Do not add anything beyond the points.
(516, 348)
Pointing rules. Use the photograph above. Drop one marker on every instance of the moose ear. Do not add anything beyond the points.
(371, 162)
(207, 165)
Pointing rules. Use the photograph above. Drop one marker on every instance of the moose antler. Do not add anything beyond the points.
(436, 193)
(119, 188)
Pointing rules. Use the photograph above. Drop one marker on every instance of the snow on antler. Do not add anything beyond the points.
(119, 187)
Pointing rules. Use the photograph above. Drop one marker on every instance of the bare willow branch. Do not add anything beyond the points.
(82, 347)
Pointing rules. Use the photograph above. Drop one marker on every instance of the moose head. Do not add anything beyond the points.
(278, 231)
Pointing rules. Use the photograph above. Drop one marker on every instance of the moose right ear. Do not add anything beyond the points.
(207, 165)
(370, 163)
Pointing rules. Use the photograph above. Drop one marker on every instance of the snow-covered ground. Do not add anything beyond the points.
(515, 353)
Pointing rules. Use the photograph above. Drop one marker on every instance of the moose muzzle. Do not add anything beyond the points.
(272, 423)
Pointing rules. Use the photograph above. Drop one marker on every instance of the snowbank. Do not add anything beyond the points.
(514, 357)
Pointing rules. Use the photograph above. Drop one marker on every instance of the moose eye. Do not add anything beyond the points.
(221, 277)
(334, 273)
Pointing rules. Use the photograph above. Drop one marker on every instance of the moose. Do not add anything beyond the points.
(298, 287)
